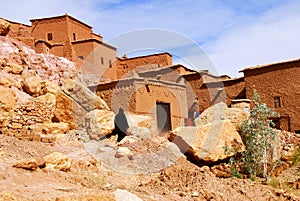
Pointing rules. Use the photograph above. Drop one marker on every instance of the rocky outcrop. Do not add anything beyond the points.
(4, 27)
(58, 161)
(7, 99)
(220, 111)
(211, 142)
(99, 123)
(67, 110)
(215, 136)
(32, 84)
(83, 96)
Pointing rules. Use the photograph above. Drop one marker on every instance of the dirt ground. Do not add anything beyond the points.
(90, 179)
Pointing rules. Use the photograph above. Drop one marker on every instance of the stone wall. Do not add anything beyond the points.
(277, 80)
(26, 120)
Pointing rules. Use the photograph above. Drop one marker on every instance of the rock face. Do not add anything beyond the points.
(68, 111)
(58, 161)
(4, 27)
(99, 123)
(220, 111)
(7, 99)
(83, 96)
(215, 137)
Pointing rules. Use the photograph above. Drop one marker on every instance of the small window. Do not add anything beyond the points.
(49, 36)
(80, 57)
(102, 60)
(74, 36)
(277, 101)
(110, 63)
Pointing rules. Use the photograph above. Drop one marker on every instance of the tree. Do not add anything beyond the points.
(258, 137)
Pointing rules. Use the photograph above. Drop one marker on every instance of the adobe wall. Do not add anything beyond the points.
(81, 32)
(133, 96)
(93, 52)
(56, 26)
(277, 80)
(208, 94)
(148, 94)
(123, 66)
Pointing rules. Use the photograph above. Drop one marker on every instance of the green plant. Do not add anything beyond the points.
(296, 157)
(274, 183)
(258, 137)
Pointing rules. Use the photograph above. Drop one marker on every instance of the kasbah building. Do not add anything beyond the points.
(153, 85)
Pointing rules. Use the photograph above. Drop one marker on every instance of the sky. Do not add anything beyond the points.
(223, 36)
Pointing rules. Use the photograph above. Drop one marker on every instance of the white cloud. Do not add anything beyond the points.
(271, 38)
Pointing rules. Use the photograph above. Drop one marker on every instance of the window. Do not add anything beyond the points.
(74, 36)
(110, 63)
(49, 36)
(102, 60)
(277, 101)
(80, 57)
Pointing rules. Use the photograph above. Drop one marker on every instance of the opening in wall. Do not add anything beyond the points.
(49, 36)
(277, 102)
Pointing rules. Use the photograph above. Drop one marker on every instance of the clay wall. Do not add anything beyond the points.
(148, 94)
(57, 26)
(125, 65)
(140, 97)
(81, 31)
(277, 80)
(98, 58)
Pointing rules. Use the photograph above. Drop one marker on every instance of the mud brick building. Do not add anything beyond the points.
(153, 85)
(70, 38)
(278, 85)
(64, 36)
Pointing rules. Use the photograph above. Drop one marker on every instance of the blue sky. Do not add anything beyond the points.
(234, 34)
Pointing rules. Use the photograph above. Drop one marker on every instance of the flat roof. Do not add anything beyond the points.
(269, 65)
(61, 16)
(144, 56)
(94, 40)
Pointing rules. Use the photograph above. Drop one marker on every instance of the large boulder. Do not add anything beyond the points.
(100, 123)
(220, 111)
(7, 99)
(15, 68)
(30, 163)
(83, 96)
(32, 84)
(4, 27)
(67, 110)
(48, 87)
(54, 128)
(58, 161)
(210, 142)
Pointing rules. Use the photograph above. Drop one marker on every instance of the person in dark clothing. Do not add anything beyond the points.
(121, 125)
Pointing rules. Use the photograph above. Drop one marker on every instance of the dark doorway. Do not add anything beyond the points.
(163, 117)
